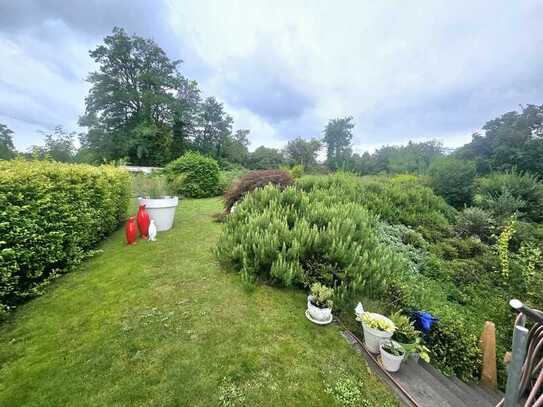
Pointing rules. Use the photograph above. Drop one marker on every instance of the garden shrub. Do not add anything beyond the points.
(292, 238)
(507, 193)
(52, 216)
(453, 180)
(253, 180)
(475, 222)
(228, 177)
(396, 200)
(200, 175)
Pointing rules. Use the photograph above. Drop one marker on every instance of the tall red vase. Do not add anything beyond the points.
(131, 230)
(143, 222)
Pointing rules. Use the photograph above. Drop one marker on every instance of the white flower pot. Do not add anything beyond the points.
(391, 362)
(373, 337)
(162, 211)
(318, 314)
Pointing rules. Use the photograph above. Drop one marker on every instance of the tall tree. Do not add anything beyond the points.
(132, 95)
(215, 128)
(59, 146)
(264, 158)
(7, 149)
(304, 152)
(236, 146)
(186, 116)
(338, 134)
(513, 140)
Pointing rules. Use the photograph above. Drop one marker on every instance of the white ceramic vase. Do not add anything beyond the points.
(318, 314)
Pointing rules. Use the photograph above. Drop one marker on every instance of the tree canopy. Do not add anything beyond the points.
(338, 134)
(303, 152)
(7, 149)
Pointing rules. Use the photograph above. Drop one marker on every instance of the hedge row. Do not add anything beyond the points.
(51, 216)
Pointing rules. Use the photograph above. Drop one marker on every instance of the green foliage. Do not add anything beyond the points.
(151, 186)
(7, 149)
(321, 295)
(376, 323)
(475, 222)
(511, 141)
(508, 193)
(131, 104)
(264, 158)
(52, 216)
(453, 180)
(503, 248)
(272, 235)
(413, 158)
(201, 175)
(301, 152)
(396, 200)
(393, 347)
(338, 134)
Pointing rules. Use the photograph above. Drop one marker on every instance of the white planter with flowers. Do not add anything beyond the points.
(319, 304)
(377, 328)
(392, 355)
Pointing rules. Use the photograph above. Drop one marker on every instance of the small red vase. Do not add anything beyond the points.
(143, 222)
(131, 231)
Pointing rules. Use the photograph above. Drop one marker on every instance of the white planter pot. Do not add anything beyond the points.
(162, 211)
(391, 362)
(373, 337)
(318, 314)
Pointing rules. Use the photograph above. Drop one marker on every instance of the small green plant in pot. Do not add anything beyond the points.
(410, 339)
(319, 304)
(376, 328)
(392, 354)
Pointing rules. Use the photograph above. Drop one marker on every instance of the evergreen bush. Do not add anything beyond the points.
(52, 215)
(200, 175)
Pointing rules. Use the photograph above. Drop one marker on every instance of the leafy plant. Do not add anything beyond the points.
(53, 215)
(453, 179)
(393, 347)
(253, 180)
(509, 193)
(375, 322)
(273, 233)
(150, 186)
(503, 248)
(475, 222)
(410, 338)
(321, 296)
(200, 175)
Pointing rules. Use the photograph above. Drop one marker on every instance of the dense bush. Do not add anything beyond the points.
(253, 180)
(402, 199)
(511, 192)
(294, 239)
(453, 180)
(200, 175)
(52, 215)
(475, 222)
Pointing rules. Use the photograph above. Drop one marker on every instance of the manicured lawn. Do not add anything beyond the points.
(160, 324)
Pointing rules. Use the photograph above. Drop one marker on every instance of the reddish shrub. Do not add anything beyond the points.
(253, 180)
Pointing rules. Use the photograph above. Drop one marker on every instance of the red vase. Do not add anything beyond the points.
(143, 222)
(131, 231)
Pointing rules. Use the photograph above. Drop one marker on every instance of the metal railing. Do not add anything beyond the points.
(525, 371)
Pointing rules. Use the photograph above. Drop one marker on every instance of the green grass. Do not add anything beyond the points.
(160, 324)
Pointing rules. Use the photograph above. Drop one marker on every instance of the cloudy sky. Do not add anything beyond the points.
(405, 70)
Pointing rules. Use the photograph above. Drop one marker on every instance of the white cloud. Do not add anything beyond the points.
(404, 70)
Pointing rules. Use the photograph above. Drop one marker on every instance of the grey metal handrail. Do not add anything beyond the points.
(525, 372)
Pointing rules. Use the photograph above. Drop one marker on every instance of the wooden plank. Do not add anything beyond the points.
(489, 372)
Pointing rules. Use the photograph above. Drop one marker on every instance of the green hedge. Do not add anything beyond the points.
(199, 175)
(51, 216)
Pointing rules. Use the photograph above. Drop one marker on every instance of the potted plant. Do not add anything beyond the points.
(377, 328)
(392, 355)
(153, 191)
(409, 337)
(319, 304)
